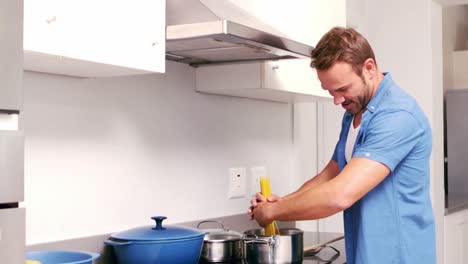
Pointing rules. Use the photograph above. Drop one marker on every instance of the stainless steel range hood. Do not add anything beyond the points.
(218, 31)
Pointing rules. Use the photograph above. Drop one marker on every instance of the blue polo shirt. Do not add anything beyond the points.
(394, 222)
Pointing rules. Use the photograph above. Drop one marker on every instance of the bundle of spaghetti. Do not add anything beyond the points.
(272, 228)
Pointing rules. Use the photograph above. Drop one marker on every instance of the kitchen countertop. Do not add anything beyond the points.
(326, 255)
(95, 243)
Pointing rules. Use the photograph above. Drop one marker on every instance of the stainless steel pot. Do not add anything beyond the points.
(287, 247)
(220, 245)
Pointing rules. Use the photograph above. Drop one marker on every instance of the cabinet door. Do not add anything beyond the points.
(116, 32)
(42, 27)
(293, 75)
(110, 34)
(12, 236)
(11, 166)
(11, 54)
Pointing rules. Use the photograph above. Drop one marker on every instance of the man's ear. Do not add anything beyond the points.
(369, 69)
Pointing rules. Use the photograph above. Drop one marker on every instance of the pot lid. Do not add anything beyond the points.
(159, 232)
(219, 235)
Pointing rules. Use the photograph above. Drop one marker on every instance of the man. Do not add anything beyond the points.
(379, 172)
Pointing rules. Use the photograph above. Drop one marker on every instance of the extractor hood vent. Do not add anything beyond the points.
(217, 31)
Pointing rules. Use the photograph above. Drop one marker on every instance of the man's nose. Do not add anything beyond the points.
(338, 99)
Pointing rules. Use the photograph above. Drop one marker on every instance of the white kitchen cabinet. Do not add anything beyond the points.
(94, 38)
(11, 54)
(460, 69)
(281, 81)
(12, 235)
(11, 166)
(456, 237)
(284, 80)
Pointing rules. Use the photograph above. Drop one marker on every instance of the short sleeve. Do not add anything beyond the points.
(347, 118)
(390, 136)
(335, 153)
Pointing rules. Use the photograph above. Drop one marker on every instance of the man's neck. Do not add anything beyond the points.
(379, 77)
(357, 118)
(376, 83)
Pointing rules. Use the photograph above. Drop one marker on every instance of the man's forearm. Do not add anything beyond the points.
(312, 203)
(328, 173)
(359, 177)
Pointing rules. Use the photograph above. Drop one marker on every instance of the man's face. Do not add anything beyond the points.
(350, 90)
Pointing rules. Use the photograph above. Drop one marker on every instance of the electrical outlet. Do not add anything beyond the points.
(256, 173)
(237, 183)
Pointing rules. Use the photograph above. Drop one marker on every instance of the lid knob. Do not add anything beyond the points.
(158, 220)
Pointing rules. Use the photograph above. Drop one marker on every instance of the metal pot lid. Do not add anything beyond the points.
(222, 236)
(219, 235)
(159, 232)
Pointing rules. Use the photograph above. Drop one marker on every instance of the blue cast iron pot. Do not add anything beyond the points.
(62, 257)
(168, 244)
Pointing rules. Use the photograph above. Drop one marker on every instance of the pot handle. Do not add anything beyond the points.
(212, 221)
(159, 220)
(115, 243)
(248, 239)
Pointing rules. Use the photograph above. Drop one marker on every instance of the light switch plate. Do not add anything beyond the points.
(237, 183)
(256, 173)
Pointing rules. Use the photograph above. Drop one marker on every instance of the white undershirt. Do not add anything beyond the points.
(352, 134)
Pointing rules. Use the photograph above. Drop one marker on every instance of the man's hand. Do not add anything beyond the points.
(260, 199)
(262, 213)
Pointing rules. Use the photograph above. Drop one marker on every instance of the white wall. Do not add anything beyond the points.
(305, 150)
(329, 119)
(437, 122)
(356, 15)
(302, 20)
(104, 155)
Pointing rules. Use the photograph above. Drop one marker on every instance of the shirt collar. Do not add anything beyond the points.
(383, 86)
(375, 101)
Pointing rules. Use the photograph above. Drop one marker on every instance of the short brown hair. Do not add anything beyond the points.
(341, 45)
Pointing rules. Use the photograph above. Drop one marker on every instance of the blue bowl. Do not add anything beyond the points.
(62, 257)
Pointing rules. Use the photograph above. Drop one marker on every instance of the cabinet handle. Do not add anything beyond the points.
(275, 67)
(51, 19)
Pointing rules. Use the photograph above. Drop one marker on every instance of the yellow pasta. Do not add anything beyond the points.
(32, 262)
(272, 228)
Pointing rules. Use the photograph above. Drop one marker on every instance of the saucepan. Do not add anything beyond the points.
(221, 245)
(287, 247)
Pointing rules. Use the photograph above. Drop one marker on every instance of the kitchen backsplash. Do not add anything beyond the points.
(106, 154)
